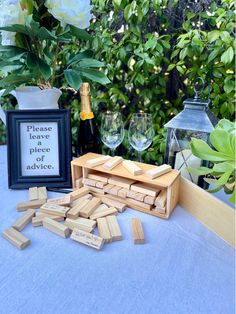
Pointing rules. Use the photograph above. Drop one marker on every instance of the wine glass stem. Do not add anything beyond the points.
(113, 152)
(139, 156)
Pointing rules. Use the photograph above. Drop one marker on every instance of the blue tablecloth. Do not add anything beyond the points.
(182, 268)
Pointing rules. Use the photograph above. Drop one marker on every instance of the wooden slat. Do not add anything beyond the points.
(98, 177)
(160, 200)
(103, 212)
(62, 200)
(37, 221)
(112, 163)
(90, 207)
(24, 220)
(75, 210)
(16, 238)
(87, 239)
(137, 231)
(145, 189)
(131, 166)
(118, 205)
(79, 193)
(79, 200)
(114, 190)
(114, 228)
(97, 161)
(216, 215)
(56, 227)
(96, 190)
(149, 199)
(103, 229)
(158, 171)
(54, 209)
(122, 182)
(29, 204)
(81, 223)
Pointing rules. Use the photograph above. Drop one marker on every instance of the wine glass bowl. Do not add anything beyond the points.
(141, 132)
(112, 130)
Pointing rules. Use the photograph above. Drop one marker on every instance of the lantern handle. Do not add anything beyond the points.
(198, 87)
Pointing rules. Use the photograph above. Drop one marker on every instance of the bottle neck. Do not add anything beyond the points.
(85, 103)
(86, 110)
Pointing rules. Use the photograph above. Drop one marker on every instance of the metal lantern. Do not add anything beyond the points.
(196, 120)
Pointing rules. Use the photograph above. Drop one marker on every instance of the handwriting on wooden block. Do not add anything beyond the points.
(24, 220)
(54, 209)
(97, 161)
(104, 230)
(112, 163)
(87, 239)
(16, 238)
(137, 231)
(30, 204)
(132, 167)
(114, 228)
(62, 200)
(56, 227)
(158, 171)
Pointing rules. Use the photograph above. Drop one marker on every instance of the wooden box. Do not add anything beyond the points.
(169, 182)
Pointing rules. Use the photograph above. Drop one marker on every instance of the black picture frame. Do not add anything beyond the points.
(49, 133)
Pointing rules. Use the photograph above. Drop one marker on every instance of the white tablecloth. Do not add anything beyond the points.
(182, 268)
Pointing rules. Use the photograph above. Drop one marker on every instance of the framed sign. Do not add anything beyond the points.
(38, 148)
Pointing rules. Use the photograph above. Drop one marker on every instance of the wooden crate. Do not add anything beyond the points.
(169, 182)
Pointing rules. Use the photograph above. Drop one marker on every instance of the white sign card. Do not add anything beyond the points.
(39, 148)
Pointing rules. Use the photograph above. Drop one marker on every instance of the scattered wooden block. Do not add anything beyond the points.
(100, 184)
(160, 210)
(158, 171)
(54, 209)
(33, 194)
(145, 189)
(137, 231)
(42, 193)
(29, 204)
(79, 193)
(90, 207)
(104, 230)
(118, 205)
(56, 227)
(103, 211)
(79, 183)
(97, 161)
(132, 167)
(112, 163)
(122, 182)
(78, 200)
(149, 199)
(160, 201)
(62, 200)
(123, 193)
(38, 219)
(73, 213)
(114, 228)
(24, 220)
(114, 190)
(96, 190)
(87, 238)
(108, 187)
(98, 177)
(81, 223)
(16, 238)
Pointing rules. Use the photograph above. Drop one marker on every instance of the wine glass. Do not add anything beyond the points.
(112, 130)
(141, 132)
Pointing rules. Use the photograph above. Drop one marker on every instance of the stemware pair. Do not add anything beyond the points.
(140, 132)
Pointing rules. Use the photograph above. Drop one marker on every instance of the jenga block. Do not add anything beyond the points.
(81, 223)
(137, 231)
(133, 202)
(136, 195)
(114, 228)
(160, 210)
(79, 200)
(112, 163)
(114, 190)
(16, 238)
(74, 211)
(79, 183)
(89, 182)
(103, 229)
(56, 227)
(90, 207)
(42, 193)
(145, 189)
(118, 205)
(108, 187)
(30, 204)
(149, 199)
(123, 193)
(122, 182)
(33, 194)
(24, 220)
(100, 184)
(132, 167)
(103, 212)
(62, 200)
(99, 177)
(87, 239)
(54, 209)
(79, 193)
(38, 219)
(97, 161)
(160, 201)
(158, 171)
(96, 190)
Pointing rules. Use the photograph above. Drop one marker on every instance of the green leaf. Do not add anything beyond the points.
(221, 181)
(232, 198)
(73, 78)
(87, 54)
(151, 43)
(10, 66)
(220, 139)
(171, 67)
(43, 33)
(229, 86)
(90, 63)
(15, 79)
(44, 69)
(17, 28)
(227, 56)
(213, 54)
(200, 171)
(213, 35)
(95, 76)
(128, 12)
(80, 33)
(224, 167)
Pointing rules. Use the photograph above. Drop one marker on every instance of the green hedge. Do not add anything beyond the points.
(153, 51)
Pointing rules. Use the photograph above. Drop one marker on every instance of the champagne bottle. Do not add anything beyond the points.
(87, 139)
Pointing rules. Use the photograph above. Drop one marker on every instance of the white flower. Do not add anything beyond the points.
(73, 12)
(10, 14)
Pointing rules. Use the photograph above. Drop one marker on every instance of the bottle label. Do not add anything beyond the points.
(86, 115)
